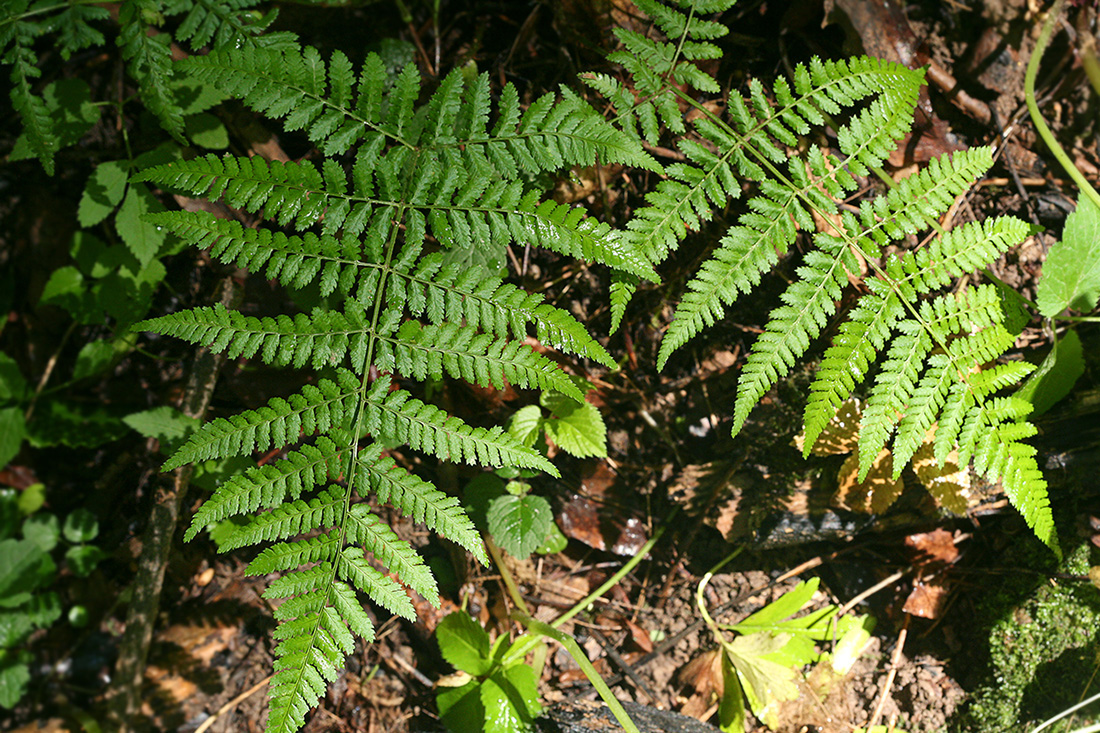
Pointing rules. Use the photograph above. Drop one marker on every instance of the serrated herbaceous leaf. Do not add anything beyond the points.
(463, 643)
(1071, 273)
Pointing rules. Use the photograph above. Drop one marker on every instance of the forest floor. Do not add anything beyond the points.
(968, 601)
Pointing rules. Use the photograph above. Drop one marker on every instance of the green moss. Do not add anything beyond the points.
(1044, 648)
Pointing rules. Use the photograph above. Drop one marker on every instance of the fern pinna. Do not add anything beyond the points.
(387, 224)
(938, 348)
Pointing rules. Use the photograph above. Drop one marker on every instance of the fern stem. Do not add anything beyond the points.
(1041, 127)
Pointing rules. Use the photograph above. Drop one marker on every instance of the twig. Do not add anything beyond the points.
(125, 694)
(232, 704)
(869, 592)
(894, 661)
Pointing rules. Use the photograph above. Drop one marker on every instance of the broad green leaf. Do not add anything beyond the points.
(524, 425)
(165, 423)
(14, 676)
(126, 294)
(12, 432)
(194, 96)
(12, 385)
(731, 708)
(77, 425)
(94, 357)
(464, 644)
(766, 683)
(555, 541)
(64, 288)
(82, 559)
(31, 499)
(43, 529)
(853, 633)
(578, 429)
(511, 700)
(102, 193)
(95, 258)
(24, 566)
(771, 616)
(140, 237)
(519, 524)
(1056, 376)
(207, 131)
(460, 708)
(1071, 273)
(80, 526)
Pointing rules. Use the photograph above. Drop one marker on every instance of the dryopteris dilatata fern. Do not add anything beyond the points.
(76, 26)
(941, 350)
(385, 225)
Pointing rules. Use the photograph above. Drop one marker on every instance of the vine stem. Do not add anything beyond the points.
(1041, 127)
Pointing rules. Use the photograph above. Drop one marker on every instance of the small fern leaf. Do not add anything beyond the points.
(37, 122)
(290, 519)
(397, 555)
(150, 63)
(854, 348)
(379, 587)
(420, 501)
(316, 409)
(895, 385)
(303, 663)
(290, 555)
(270, 485)
(808, 304)
(429, 352)
(397, 416)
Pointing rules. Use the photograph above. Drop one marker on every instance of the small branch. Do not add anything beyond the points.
(125, 695)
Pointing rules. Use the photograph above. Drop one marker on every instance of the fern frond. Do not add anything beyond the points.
(75, 31)
(377, 538)
(420, 501)
(150, 63)
(289, 555)
(315, 409)
(270, 485)
(462, 352)
(379, 587)
(37, 122)
(854, 349)
(764, 233)
(810, 301)
(440, 293)
(228, 24)
(399, 417)
(290, 519)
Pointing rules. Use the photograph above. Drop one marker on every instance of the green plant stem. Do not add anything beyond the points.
(619, 574)
(506, 575)
(586, 666)
(1041, 127)
(523, 646)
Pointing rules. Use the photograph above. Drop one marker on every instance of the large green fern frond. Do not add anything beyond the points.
(380, 224)
(941, 351)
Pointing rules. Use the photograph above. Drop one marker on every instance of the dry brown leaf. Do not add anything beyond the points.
(927, 599)
(937, 546)
(640, 636)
